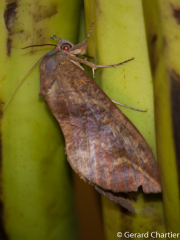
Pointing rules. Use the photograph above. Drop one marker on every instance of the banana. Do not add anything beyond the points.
(167, 90)
(36, 190)
(161, 21)
(118, 35)
(87, 199)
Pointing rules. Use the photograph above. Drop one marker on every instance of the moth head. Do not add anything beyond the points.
(68, 46)
(64, 44)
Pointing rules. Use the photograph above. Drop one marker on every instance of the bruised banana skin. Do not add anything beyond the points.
(119, 34)
(35, 188)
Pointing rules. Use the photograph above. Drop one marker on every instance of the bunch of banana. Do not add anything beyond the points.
(35, 185)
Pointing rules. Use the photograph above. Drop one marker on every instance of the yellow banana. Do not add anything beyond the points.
(36, 192)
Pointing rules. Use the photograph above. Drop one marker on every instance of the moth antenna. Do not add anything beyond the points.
(54, 37)
(19, 84)
(39, 45)
(90, 31)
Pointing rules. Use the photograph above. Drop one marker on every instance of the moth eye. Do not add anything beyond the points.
(66, 46)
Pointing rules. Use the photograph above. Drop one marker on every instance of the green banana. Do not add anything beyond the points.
(160, 24)
(87, 199)
(166, 78)
(36, 189)
(118, 35)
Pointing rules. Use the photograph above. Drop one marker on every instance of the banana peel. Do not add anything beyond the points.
(35, 184)
(87, 199)
(160, 24)
(119, 34)
(164, 48)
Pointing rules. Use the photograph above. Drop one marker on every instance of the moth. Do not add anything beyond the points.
(103, 146)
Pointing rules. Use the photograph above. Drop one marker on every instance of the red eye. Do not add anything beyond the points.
(66, 46)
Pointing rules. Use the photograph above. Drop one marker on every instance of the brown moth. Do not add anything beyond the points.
(103, 147)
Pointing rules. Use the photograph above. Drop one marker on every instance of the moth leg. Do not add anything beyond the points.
(90, 31)
(92, 65)
(118, 103)
(76, 63)
(113, 65)
(87, 57)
